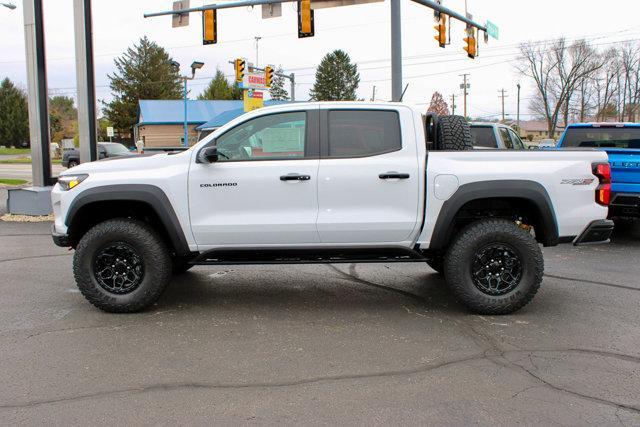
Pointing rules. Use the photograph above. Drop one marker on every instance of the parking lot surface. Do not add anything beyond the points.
(366, 343)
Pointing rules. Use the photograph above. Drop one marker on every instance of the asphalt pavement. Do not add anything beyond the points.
(23, 170)
(324, 344)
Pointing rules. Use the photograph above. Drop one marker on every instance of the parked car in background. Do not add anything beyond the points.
(495, 135)
(621, 141)
(71, 158)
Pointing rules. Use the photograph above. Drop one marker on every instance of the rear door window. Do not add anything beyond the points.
(483, 136)
(506, 139)
(362, 133)
(602, 137)
(517, 142)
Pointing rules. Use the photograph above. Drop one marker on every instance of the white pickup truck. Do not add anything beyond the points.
(330, 183)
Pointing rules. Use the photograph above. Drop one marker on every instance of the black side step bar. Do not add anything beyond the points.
(308, 256)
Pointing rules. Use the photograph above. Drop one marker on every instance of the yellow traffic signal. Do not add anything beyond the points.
(268, 75)
(305, 19)
(441, 28)
(239, 65)
(472, 43)
(209, 27)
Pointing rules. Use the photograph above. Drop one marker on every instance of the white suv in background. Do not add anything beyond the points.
(495, 135)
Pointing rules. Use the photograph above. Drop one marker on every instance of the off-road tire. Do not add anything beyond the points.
(180, 264)
(462, 253)
(453, 133)
(152, 252)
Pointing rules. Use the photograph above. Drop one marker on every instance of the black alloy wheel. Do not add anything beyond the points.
(496, 269)
(118, 268)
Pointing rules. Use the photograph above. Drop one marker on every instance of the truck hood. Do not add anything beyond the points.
(130, 163)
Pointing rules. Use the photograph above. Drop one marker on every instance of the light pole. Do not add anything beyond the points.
(195, 65)
(9, 5)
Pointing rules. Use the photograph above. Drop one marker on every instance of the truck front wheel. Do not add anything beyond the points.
(122, 265)
(494, 267)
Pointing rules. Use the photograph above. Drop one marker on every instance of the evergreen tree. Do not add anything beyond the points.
(336, 78)
(438, 105)
(220, 88)
(14, 115)
(144, 71)
(277, 90)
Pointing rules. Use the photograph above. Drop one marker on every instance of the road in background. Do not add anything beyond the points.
(320, 344)
(23, 171)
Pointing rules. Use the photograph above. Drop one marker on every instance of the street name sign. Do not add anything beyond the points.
(492, 30)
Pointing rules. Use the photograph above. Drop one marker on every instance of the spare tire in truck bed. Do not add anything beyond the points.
(451, 133)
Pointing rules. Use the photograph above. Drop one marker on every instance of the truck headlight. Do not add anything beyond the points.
(67, 182)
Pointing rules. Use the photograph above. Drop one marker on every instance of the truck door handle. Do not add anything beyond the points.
(393, 175)
(295, 177)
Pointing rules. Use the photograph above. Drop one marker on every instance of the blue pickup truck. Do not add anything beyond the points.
(621, 141)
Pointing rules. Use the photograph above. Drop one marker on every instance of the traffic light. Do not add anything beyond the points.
(472, 42)
(305, 19)
(441, 28)
(239, 65)
(268, 75)
(209, 27)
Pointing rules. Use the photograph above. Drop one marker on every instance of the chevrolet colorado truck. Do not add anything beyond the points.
(330, 183)
(621, 142)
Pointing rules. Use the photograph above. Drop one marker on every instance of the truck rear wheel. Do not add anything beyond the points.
(453, 133)
(494, 267)
(122, 265)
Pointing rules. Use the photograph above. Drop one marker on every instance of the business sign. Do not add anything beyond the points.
(253, 99)
(492, 30)
(254, 81)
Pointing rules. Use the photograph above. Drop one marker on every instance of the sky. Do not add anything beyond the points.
(363, 31)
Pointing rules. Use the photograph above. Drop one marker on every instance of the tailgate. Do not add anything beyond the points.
(625, 170)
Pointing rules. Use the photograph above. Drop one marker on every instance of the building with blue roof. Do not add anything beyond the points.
(161, 122)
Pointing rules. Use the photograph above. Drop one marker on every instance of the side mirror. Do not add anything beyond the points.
(208, 155)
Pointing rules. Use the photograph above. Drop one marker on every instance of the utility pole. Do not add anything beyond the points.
(396, 51)
(464, 86)
(453, 104)
(292, 79)
(258, 38)
(502, 95)
(518, 111)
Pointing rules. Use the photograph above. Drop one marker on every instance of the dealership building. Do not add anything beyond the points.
(161, 122)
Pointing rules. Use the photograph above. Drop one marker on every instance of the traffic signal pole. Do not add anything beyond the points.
(396, 29)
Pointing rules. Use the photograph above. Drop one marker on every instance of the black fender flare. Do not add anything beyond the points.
(149, 194)
(531, 191)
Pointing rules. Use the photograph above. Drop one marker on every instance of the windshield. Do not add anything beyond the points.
(116, 149)
(602, 137)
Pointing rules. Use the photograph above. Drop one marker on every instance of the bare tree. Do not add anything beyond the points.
(630, 73)
(557, 71)
(606, 84)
